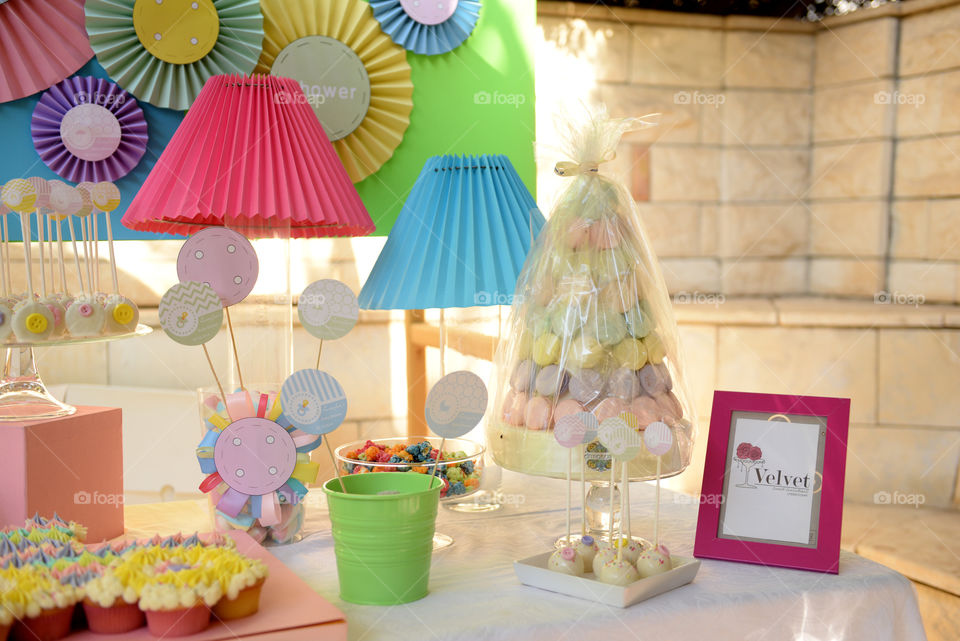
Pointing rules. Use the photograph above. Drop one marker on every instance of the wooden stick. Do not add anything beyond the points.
(113, 258)
(583, 491)
(43, 267)
(85, 238)
(436, 464)
(336, 468)
(63, 270)
(443, 346)
(569, 490)
(319, 351)
(216, 378)
(76, 254)
(236, 354)
(25, 230)
(7, 276)
(53, 273)
(613, 486)
(626, 493)
(95, 242)
(656, 513)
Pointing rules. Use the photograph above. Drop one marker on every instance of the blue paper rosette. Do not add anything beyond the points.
(427, 27)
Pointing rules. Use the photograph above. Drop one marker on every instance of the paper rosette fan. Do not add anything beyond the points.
(334, 45)
(41, 43)
(460, 239)
(255, 460)
(250, 154)
(163, 52)
(89, 129)
(428, 28)
(591, 328)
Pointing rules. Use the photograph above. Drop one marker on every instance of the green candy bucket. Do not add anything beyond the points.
(383, 542)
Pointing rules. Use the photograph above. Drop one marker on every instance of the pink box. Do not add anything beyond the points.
(71, 465)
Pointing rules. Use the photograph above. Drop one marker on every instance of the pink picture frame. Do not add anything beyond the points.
(829, 420)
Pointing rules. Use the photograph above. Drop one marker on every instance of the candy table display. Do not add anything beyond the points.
(591, 328)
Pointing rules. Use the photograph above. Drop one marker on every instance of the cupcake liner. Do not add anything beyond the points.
(247, 603)
(119, 618)
(4, 631)
(51, 625)
(178, 623)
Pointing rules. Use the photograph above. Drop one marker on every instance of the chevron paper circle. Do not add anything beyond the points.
(328, 309)
(423, 29)
(191, 313)
(371, 143)
(456, 404)
(623, 442)
(148, 73)
(313, 401)
(19, 195)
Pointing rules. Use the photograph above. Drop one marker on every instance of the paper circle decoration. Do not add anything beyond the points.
(371, 142)
(41, 43)
(19, 195)
(255, 456)
(106, 196)
(313, 401)
(89, 129)
(328, 309)
(64, 199)
(456, 404)
(191, 313)
(570, 431)
(427, 27)
(658, 438)
(42, 188)
(221, 258)
(163, 52)
(623, 442)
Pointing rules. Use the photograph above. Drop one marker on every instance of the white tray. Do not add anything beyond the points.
(533, 571)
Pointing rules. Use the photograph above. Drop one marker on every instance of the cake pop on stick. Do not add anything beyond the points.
(314, 402)
(455, 405)
(4, 248)
(659, 439)
(227, 261)
(67, 202)
(569, 432)
(122, 313)
(623, 443)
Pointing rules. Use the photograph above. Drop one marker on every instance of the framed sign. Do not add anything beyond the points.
(773, 480)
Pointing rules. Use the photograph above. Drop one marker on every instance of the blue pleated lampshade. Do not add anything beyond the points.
(460, 240)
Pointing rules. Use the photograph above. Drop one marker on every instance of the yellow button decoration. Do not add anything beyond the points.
(177, 31)
(36, 323)
(123, 313)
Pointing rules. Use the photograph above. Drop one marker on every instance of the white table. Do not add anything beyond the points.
(475, 595)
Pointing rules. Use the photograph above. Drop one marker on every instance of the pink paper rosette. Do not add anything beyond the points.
(89, 129)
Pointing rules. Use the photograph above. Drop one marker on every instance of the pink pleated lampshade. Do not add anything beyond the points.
(251, 155)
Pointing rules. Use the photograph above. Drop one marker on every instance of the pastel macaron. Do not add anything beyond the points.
(585, 385)
(631, 353)
(537, 414)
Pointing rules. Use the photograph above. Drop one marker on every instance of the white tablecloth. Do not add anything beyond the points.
(475, 595)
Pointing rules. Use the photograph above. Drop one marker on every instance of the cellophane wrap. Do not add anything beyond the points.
(591, 327)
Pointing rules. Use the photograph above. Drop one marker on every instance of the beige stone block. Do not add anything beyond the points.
(846, 277)
(763, 230)
(763, 277)
(925, 104)
(676, 57)
(691, 274)
(928, 167)
(684, 173)
(929, 282)
(709, 230)
(819, 361)
(699, 346)
(765, 118)
(857, 170)
(156, 361)
(722, 310)
(674, 230)
(876, 464)
(712, 123)
(927, 41)
(853, 112)
(604, 45)
(880, 311)
(938, 609)
(765, 174)
(766, 59)
(862, 51)
(848, 229)
(919, 377)
(910, 222)
(944, 230)
(83, 363)
(679, 121)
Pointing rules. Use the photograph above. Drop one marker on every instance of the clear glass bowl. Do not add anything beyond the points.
(462, 474)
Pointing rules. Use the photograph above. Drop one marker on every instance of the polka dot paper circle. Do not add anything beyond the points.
(313, 401)
(255, 456)
(328, 309)
(456, 404)
(223, 259)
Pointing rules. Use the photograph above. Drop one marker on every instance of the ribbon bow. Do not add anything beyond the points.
(567, 168)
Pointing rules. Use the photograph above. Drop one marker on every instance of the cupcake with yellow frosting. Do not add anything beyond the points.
(43, 606)
(241, 579)
(177, 600)
(110, 601)
(9, 611)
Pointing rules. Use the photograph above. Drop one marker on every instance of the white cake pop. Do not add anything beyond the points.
(587, 548)
(6, 321)
(85, 317)
(121, 314)
(566, 560)
(32, 322)
(604, 554)
(631, 549)
(58, 311)
(618, 572)
(656, 560)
